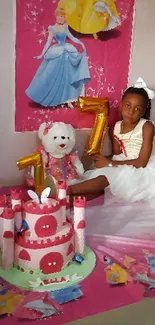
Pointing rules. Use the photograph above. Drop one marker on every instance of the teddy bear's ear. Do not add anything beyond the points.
(41, 130)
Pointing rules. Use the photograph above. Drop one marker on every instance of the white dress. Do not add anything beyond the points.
(127, 182)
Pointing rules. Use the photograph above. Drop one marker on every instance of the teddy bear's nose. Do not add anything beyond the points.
(63, 138)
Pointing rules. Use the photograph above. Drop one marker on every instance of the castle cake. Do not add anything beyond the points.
(42, 244)
(38, 236)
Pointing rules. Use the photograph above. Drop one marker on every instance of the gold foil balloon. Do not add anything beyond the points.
(100, 107)
(34, 160)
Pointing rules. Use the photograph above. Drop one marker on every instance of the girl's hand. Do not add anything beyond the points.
(101, 161)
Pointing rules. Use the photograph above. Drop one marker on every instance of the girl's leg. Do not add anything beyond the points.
(92, 186)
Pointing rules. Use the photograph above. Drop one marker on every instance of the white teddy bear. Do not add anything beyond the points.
(59, 160)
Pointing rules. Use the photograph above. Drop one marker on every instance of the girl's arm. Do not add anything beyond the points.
(145, 153)
(115, 145)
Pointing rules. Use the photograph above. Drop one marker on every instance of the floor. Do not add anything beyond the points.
(142, 313)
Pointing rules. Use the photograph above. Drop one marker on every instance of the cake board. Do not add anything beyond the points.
(72, 274)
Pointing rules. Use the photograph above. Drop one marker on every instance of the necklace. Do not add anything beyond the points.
(123, 135)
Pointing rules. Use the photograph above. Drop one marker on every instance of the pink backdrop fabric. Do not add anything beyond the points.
(108, 61)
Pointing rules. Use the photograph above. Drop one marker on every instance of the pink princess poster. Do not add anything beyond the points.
(66, 49)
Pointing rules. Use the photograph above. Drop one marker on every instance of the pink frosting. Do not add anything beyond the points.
(45, 243)
(16, 195)
(79, 202)
(63, 202)
(3, 201)
(8, 213)
(17, 208)
(8, 234)
(51, 281)
(34, 208)
(61, 185)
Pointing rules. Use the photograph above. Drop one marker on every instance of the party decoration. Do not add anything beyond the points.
(78, 258)
(43, 198)
(46, 310)
(60, 160)
(37, 305)
(34, 160)
(9, 301)
(65, 295)
(150, 259)
(115, 274)
(90, 17)
(100, 107)
(95, 67)
(143, 278)
(135, 266)
(3, 289)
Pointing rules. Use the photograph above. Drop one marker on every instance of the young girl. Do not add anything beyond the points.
(130, 172)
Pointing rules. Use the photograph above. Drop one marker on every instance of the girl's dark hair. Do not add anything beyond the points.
(147, 101)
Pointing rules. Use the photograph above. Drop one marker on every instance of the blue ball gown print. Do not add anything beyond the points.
(63, 72)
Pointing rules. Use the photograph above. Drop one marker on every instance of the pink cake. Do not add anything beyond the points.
(51, 240)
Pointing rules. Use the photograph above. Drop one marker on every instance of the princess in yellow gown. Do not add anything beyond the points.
(90, 16)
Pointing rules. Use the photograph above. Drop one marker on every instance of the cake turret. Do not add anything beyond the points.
(16, 198)
(8, 238)
(79, 224)
(61, 187)
(3, 205)
(16, 202)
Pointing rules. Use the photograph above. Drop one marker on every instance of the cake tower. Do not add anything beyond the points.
(7, 231)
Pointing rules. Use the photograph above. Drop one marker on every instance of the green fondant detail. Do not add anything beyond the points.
(21, 279)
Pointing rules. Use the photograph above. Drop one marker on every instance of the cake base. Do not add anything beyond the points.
(72, 274)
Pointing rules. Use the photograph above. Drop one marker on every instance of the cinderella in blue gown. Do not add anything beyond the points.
(62, 73)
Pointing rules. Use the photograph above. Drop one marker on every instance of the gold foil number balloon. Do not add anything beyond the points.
(34, 160)
(100, 107)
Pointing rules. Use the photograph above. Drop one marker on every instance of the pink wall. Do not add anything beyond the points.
(15, 145)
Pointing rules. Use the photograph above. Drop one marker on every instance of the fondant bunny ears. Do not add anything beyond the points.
(140, 83)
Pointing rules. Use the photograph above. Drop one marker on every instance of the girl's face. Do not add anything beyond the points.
(60, 19)
(132, 108)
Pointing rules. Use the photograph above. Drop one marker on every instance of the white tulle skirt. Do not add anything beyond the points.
(127, 182)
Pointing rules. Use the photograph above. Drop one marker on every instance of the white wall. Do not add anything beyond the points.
(15, 145)
(143, 50)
